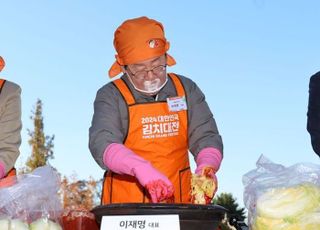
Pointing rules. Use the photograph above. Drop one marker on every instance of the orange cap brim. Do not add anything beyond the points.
(170, 60)
(2, 63)
(115, 69)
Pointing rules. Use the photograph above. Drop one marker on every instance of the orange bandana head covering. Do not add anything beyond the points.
(2, 63)
(137, 40)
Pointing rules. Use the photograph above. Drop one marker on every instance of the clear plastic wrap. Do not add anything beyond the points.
(281, 198)
(32, 198)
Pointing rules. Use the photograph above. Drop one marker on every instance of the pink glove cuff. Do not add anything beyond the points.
(117, 158)
(2, 170)
(112, 148)
(208, 157)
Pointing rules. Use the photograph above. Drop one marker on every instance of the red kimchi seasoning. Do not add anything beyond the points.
(79, 220)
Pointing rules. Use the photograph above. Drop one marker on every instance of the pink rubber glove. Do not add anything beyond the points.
(159, 191)
(2, 170)
(122, 160)
(208, 157)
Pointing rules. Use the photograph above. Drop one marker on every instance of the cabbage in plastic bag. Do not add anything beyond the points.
(288, 202)
(8, 224)
(282, 198)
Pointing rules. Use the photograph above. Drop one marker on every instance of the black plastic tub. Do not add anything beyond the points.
(192, 217)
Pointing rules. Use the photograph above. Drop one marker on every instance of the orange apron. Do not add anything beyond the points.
(159, 136)
(10, 178)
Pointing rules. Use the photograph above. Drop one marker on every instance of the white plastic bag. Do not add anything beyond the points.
(280, 198)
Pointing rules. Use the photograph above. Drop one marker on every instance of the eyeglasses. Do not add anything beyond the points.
(144, 73)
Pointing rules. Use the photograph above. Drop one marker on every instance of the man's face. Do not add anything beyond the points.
(148, 76)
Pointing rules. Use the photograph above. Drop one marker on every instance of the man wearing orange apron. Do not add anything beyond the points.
(10, 128)
(145, 122)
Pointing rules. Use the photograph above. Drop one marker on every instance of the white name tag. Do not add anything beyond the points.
(147, 222)
(177, 103)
